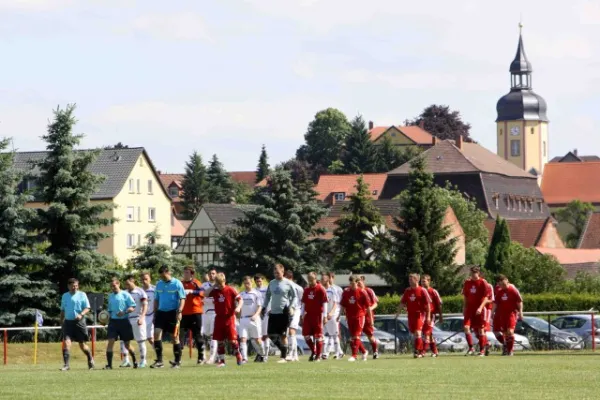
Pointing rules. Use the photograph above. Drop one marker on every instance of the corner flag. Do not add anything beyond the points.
(39, 320)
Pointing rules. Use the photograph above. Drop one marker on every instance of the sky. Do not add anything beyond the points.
(227, 77)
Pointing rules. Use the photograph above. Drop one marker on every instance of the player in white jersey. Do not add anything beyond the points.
(261, 285)
(332, 327)
(295, 322)
(250, 322)
(149, 288)
(137, 318)
(208, 319)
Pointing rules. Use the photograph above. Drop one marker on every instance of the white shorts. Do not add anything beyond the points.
(250, 329)
(149, 326)
(265, 324)
(295, 323)
(332, 327)
(140, 333)
(208, 323)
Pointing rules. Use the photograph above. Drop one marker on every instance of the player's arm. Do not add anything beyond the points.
(267, 297)
(439, 304)
(293, 299)
(520, 308)
(401, 305)
(144, 309)
(62, 310)
(86, 309)
(181, 292)
(156, 302)
(238, 303)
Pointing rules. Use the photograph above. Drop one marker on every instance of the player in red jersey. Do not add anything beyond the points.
(418, 309)
(369, 328)
(355, 303)
(508, 306)
(476, 294)
(227, 303)
(436, 308)
(488, 316)
(313, 316)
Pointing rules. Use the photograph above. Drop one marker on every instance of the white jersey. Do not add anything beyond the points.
(263, 292)
(251, 301)
(208, 302)
(333, 298)
(299, 294)
(140, 297)
(150, 292)
(339, 291)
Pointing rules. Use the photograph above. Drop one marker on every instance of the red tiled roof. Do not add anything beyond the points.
(564, 182)
(247, 177)
(167, 179)
(329, 224)
(590, 238)
(179, 226)
(413, 132)
(524, 231)
(329, 184)
(572, 256)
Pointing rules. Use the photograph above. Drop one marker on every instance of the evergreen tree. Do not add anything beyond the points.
(151, 255)
(220, 184)
(499, 247)
(423, 243)
(262, 171)
(390, 156)
(360, 155)
(360, 215)
(23, 289)
(194, 186)
(70, 222)
(575, 214)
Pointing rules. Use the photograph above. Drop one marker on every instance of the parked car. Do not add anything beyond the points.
(386, 341)
(536, 329)
(455, 324)
(446, 341)
(581, 325)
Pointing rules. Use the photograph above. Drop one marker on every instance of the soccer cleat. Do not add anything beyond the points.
(261, 359)
(482, 354)
(352, 359)
(65, 368)
(91, 364)
(434, 355)
(487, 350)
(504, 352)
(510, 354)
(375, 356)
(175, 364)
(295, 358)
(143, 364)
(221, 364)
(135, 365)
(282, 361)
(325, 356)
(200, 361)
(417, 355)
(339, 356)
(157, 364)
(244, 362)
(311, 358)
(317, 360)
(256, 358)
(107, 367)
(211, 360)
(470, 352)
(288, 358)
(125, 364)
(365, 355)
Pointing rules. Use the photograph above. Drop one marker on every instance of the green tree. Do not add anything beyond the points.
(533, 272)
(390, 156)
(360, 154)
(151, 255)
(262, 171)
(23, 288)
(69, 221)
(325, 138)
(194, 186)
(499, 247)
(220, 184)
(443, 123)
(575, 214)
(360, 215)
(423, 243)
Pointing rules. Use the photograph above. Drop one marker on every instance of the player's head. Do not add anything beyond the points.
(259, 279)
(115, 284)
(247, 280)
(325, 278)
(278, 271)
(312, 278)
(354, 281)
(130, 282)
(502, 281)
(73, 285)
(289, 274)
(413, 279)
(332, 278)
(205, 277)
(188, 273)
(212, 275)
(475, 272)
(426, 281)
(220, 279)
(165, 272)
(360, 283)
(146, 279)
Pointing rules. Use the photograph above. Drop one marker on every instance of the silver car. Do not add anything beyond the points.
(580, 324)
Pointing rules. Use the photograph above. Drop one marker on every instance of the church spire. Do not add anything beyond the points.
(520, 67)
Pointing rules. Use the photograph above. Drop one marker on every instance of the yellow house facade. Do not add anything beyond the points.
(140, 203)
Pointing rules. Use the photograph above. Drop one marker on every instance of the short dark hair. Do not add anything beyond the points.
(211, 269)
(72, 281)
(354, 278)
(115, 279)
(426, 276)
(501, 277)
(362, 278)
(130, 277)
(259, 276)
(190, 268)
(475, 268)
(164, 268)
(289, 274)
(246, 277)
(144, 273)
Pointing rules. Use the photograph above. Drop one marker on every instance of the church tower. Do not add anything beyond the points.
(522, 124)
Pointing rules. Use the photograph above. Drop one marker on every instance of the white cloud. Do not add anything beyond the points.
(180, 26)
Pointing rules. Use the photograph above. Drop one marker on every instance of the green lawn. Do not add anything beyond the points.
(527, 376)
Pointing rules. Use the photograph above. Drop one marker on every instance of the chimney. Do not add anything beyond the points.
(158, 172)
(332, 201)
(459, 142)
(422, 124)
(575, 152)
(371, 125)
(434, 140)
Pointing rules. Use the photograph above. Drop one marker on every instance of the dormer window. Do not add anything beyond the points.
(31, 184)
(339, 196)
(519, 204)
(496, 202)
(374, 192)
(173, 191)
(540, 206)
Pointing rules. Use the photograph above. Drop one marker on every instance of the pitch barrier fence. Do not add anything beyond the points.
(535, 333)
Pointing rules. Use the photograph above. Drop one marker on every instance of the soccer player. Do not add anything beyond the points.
(295, 322)
(120, 305)
(227, 303)
(74, 305)
(208, 320)
(261, 285)
(332, 325)
(149, 288)
(191, 319)
(476, 295)
(418, 309)
(168, 305)
(369, 328)
(137, 318)
(436, 308)
(508, 306)
(250, 323)
(279, 299)
(339, 291)
(487, 316)
(355, 303)
(313, 316)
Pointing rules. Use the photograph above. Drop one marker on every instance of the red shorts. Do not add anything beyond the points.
(368, 329)
(224, 329)
(355, 325)
(428, 328)
(415, 322)
(312, 326)
(474, 320)
(504, 322)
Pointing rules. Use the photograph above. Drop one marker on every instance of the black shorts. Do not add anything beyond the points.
(278, 324)
(166, 321)
(75, 331)
(192, 322)
(120, 329)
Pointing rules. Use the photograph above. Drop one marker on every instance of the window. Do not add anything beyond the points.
(130, 240)
(540, 206)
(532, 131)
(139, 214)
(544, 148)
(141, 161)
(216, 256)
(139, 242)
(496, 202)
(130, 213)
(138, 187)
(131, 187)
(500, 132)
(31, 184)
(173, 191)
(341, 196)
(515, 148)
(202, 241)
(519, 204)
(152, 214)
(149, 186)
(374, 192)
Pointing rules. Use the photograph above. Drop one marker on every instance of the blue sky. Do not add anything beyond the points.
(225, 77)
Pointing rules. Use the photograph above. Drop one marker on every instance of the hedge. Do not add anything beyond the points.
(531, 302)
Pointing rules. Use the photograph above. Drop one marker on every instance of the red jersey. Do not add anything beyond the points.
(225, 299)
(416, 300)
(507, 300)
(356, 302)
(193, 301)
(436, 301)
(490, 306)
(372, 296)
(314, 299)
(475, 292)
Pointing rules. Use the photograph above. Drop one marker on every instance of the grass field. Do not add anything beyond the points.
(525, 376)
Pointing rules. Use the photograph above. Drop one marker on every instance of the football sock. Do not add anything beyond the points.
(293, 345)
(221, 351)
(434, 349)
(143, 350)
(109, 358)
(426, 345)
(311, 344)
(361, 347)
(469, 338)
(124, 353)
(482, 342)
(132, 353)
(236, 350)
(354, 345)
(177, 352)
(66, 356)
(158, 347)
(244, 350)
(510, 344)
(283, 348)
(214, 345)
(319, 347)
(337, 345)
(374, 345)
(266, 346)
(499, 336)
(88, 354)
(418, 344)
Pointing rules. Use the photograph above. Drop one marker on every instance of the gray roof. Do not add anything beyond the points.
(520, 63)
(385, 207)
(223, 215)
(115, 164)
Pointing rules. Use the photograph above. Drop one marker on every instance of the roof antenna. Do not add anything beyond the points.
(520, 23)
